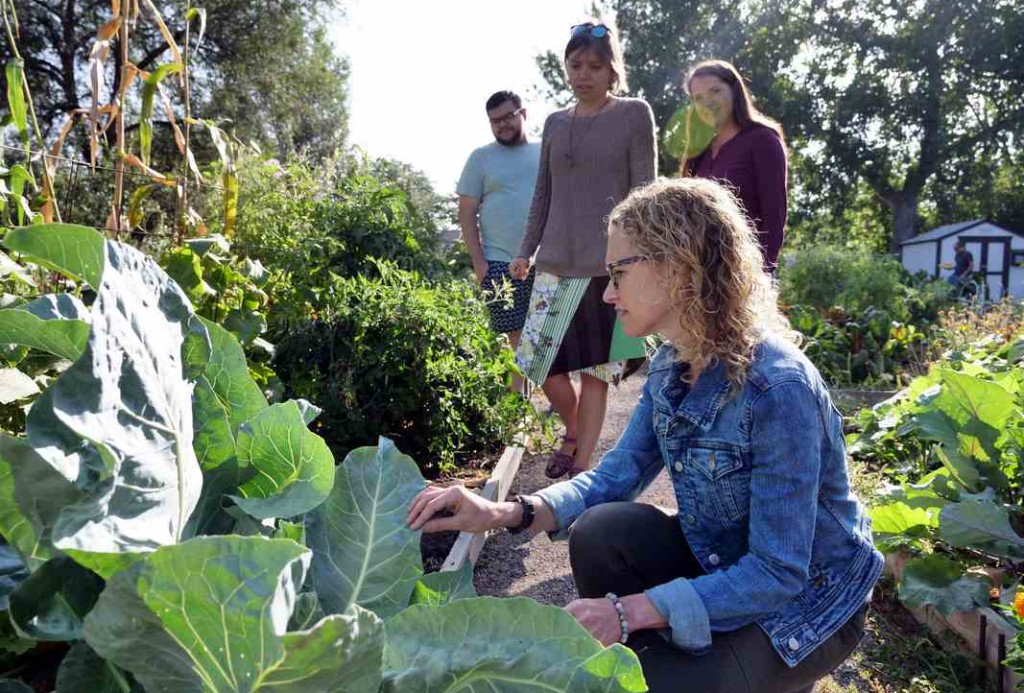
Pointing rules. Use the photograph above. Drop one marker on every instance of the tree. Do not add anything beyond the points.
(264, 65)
(878, 93)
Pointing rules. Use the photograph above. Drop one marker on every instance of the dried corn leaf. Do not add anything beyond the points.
(108, 30)
(134, 161)
(164, 31)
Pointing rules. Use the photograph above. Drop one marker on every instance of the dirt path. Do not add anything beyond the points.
(511, 566)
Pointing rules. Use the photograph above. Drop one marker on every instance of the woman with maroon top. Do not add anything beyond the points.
(747, 154)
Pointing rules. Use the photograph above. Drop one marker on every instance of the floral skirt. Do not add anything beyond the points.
(570, 328)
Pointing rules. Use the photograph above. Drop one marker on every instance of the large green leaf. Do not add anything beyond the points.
(13, 572)
(119, 422)
(32, 495)
(149, 89)
(981, 525)
(941, 582)
(84, 670)
(440, 588)
(611, 669)
(16, 101)
(499, 646)
(363, 551)
(900, 518)
(51, 603)
(225, 397)
(210, 615)
(967, 417)
(342, 652)
(294, 469)
(76, 251)
(57, 324)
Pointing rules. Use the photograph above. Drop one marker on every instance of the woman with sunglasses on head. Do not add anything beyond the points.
(760, 580)
(592, 154)
(747, 153)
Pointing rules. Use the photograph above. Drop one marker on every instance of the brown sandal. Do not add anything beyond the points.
(560, 462)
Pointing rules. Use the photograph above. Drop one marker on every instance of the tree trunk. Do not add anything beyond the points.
(904, 217)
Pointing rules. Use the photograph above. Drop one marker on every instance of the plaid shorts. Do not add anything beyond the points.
(507, 298)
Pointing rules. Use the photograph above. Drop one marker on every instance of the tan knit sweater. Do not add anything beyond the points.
(611, 153)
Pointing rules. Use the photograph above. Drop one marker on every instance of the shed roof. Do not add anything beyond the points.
(937, 234)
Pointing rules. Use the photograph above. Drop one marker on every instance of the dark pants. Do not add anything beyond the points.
(626, 548)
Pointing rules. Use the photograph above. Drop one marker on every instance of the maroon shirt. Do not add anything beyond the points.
(753, 164)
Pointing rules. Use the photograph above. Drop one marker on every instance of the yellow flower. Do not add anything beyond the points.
(1018, 604)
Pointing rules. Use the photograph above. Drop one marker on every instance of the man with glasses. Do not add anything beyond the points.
(495, 191)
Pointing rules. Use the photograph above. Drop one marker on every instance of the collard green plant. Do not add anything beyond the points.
(147, 461)
(959, 504)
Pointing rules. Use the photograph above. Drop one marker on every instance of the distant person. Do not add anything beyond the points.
(747, 154)
(963, 267)
(495, 191)
(593, 153)
(758, 581)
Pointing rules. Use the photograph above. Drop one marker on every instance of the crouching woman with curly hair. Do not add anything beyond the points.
(759, 579)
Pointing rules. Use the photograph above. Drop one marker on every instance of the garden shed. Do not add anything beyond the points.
(998, 255)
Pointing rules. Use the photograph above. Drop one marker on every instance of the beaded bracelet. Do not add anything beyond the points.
(620, 610)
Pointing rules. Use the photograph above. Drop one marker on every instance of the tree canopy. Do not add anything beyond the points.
(265, 68)
(911, 111)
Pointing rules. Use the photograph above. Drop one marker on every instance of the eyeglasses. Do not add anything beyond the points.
(507, 118)
(611, 266)
(596, 30)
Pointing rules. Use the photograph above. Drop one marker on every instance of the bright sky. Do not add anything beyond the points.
(422, 71)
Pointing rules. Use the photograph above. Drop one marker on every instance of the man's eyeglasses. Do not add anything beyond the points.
(611, 267)
(507, 118)
(596, 30)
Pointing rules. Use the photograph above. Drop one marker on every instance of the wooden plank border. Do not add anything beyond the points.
(469, 545)
(984, 632)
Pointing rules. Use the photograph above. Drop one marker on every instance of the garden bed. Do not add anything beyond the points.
(982, 632)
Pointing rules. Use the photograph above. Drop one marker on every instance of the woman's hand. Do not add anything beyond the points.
(471, 513)
(599, 617)
(519, 268)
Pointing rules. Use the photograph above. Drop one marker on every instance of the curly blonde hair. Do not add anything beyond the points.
(712, 268)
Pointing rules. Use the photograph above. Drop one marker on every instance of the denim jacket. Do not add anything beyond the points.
(763, 494)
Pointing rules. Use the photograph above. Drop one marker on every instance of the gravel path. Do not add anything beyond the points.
(512, 566)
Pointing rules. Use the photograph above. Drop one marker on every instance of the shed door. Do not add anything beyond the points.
(991, 264)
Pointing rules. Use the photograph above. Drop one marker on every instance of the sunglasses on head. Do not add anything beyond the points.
(596, 30)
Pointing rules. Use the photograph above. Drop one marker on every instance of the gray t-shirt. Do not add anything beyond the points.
(501, 178)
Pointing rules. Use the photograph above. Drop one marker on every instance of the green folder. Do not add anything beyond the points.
(625, 347)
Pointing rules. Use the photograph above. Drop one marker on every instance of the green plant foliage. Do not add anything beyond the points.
(427, 650)
(51, 603)
(440, 588)
(940, 582)
(292, 469)
(84, 670)
(951, 442)
(160, 396)
(866, 320)
(54, 323)
(166, 620)
(364, 553)
(401, 357)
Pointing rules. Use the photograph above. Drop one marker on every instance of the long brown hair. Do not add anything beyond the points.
(744, 112)
(712, 268)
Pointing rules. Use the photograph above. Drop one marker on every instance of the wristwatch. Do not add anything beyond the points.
(528, 513)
